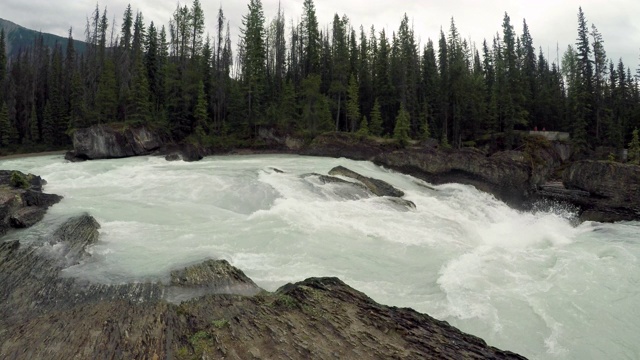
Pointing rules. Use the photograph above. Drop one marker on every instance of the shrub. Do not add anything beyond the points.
(19, 180)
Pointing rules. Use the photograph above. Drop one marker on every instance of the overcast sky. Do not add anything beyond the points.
(550, 22)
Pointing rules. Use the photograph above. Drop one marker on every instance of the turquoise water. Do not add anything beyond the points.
(530, 283)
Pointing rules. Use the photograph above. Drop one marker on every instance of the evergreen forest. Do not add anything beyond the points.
(304, 78)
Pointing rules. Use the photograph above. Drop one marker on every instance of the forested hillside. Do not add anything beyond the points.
(306, 78)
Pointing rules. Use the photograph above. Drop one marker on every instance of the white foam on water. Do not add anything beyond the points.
(527, 282)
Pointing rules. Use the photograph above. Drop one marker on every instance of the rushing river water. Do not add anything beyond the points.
(531, 283)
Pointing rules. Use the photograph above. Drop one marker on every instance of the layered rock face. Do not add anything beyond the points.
(511, 176)
(108, 142)
(46, 316)
(614, 189)
(22, 202)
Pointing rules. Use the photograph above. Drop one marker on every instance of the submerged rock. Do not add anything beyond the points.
(378, 187)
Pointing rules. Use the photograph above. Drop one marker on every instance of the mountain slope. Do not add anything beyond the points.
(19, 37)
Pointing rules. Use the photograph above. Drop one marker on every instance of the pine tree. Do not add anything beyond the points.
(310, 37)
(364, 127)
(375, 127)
(401, 130)
(254, 62)
(200, 112)
(634, 148)
(106, 96)
(425, 128)
(5, 126)
(34, 133)
(353, 103)
(3, 59)
(139, 105)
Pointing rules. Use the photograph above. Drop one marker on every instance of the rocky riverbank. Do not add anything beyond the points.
(206, 311)
(517, 177)
(22, 202)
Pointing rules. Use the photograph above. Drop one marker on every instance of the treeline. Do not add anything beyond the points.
(307, 79)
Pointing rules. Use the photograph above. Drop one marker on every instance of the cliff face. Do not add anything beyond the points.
(210, 310)
(107, 142)
(614, 189)
(511, 176)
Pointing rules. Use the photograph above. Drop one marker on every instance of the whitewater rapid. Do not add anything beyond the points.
(535, 284)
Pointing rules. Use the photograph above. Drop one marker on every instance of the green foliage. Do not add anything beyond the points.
(364, 127)
(5, 126)
(219, 324)
(306, 81)
(284, 301)
(375, 128)
(634, 148)
(353, 103)
(19, 181)
(401, 130)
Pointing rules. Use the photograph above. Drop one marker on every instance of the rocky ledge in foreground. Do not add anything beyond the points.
(22, 202)
(44, 315)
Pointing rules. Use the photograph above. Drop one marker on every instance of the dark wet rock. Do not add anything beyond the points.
(276, 170)
(26, 217)
(272, 138)
(511, 176)
(603, 190)
(339, 144)
(46, 316)
(23, 205)
(507, 176)
(113, 141)
(173, 157)
(376, 186)
(184, 152)
(215, 274)
(76, 235)
(404, 204)
(319, 318)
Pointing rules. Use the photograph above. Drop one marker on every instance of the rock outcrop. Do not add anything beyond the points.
(44, 315)
(111, 141)
(613, 189)
(184, 152)
(376, 186)
(22, 202)
(512, 176)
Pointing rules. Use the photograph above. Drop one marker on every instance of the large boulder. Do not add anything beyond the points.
(376, 186)
(613, 188)
(110, 141)
(22, 202)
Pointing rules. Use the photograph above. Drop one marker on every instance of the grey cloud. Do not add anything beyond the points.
(551, 22)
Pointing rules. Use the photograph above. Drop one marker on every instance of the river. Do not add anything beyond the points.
(532, 283)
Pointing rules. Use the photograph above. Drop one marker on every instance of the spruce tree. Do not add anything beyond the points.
(401, 130)
(5, 126)
(634, 148)
(200, 112)
(139, 105)
(353, 103)
(364, 127)
(375, 128)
